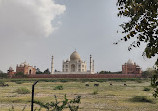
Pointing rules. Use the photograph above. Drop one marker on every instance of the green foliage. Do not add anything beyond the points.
(38, 71)
(59, 88)
(64, 80)
(60, 105)
(46, 71)
(154, 84)
(141, 99)
(109, 72)
(146, 74)
(146, 89)
(3, 84)
(1, 72)
(3, 75)
(149, 73)
(139, 81)
(95, 92)
(142, 24)
(19, 82)
(22, 90)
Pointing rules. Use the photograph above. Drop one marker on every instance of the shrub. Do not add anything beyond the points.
(72, 104)
(59, 88)
(141, 99)
(53, 81)
(22, 90)
(100, 80)
(3, 75)
(146, 89)
(63, 80)
(95, 91)
(3, 84)
(18, 82)
(139, 81)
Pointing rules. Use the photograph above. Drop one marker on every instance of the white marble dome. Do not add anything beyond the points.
(24, 64)
(75, 56)
(130, 62)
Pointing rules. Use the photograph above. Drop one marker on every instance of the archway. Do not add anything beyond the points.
(73, 68)
(30, 71)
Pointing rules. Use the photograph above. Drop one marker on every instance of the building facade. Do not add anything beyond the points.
(26, 69)
(131, 68)
(74, 65)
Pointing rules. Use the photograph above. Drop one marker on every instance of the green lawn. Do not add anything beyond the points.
(108, 98)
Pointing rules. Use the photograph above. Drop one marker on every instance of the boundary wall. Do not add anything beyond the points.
(85, 76)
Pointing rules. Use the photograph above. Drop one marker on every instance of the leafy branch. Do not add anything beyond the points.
(60, 105)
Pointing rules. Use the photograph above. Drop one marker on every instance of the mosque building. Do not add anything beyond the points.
(131, 68)
(24, 68)
(74, 66)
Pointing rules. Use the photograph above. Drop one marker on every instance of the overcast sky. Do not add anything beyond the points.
(34, 30)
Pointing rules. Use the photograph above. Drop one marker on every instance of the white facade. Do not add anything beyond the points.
(75, 65)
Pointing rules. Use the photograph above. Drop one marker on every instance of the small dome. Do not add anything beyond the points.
(10, 68)
(23, 64)
(67, 60)
(75, 56)
(130, 62)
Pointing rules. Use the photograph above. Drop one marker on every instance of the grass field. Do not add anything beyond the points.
(102, 98)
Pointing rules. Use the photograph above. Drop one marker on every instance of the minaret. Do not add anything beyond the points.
(52, 65)
(90, 63)
(93, 66)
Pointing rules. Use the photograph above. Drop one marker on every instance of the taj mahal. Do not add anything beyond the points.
(74, 65)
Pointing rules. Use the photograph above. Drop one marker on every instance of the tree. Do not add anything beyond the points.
(46, 71)
(143, 24)
(38, 71)
(143, 27)
(109, 72)
(149, 73)
(1, 72)
(3, 75)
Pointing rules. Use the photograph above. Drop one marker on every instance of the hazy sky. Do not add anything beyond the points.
(34, 30)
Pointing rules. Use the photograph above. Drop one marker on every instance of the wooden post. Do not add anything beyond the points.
(33, 95)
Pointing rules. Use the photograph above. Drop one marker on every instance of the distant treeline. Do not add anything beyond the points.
(3, 75)
(109, 72)
(38, 71)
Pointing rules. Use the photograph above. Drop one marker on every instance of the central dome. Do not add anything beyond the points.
(75, 56)
(130, 62)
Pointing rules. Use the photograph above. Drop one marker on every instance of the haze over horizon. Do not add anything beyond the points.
(33, 31)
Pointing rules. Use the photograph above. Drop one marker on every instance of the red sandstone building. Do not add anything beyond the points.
(24, 68)
(11, 72)
(131, 68)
